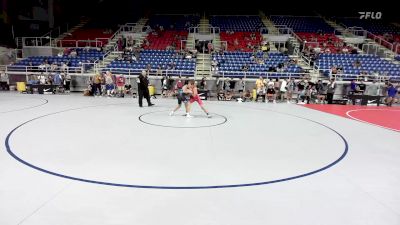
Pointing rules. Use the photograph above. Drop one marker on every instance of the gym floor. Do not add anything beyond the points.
(70, 159)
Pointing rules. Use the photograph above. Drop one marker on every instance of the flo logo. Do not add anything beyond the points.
(370, 15)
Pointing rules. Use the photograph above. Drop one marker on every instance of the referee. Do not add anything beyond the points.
(143, 89)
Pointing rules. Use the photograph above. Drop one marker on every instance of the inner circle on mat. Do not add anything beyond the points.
(198, 119)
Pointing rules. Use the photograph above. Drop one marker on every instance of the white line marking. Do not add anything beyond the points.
(354, 110)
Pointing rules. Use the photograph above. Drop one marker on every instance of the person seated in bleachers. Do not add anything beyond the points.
(357, 64)
(73, 53)
(60, 53)
(253, 36)
(42, 67)
(245, 68)
(53, 67)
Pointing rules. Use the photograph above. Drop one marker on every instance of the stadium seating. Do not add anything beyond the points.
(173, 22)
(237, 23)
(83, 56)
(318, 40)
(231, 64)
(303, 24)
(369, 64)
(373, 26)
(155, 58)
(243, 39)
(161, 40)
(86, 34)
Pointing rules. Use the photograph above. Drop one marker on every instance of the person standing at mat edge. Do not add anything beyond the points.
(392, 91)
(331, 91)
(143, 88)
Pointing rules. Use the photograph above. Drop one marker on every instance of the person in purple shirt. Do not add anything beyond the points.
(392, 91)
(353, 86)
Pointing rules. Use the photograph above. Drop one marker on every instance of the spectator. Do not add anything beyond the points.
(301, 91)
(203, 84)
(242, 86)
(148, 69)
(245, 68)
(110, 87)
(391, 91)
(353, 87)
(260, 88)
(232, 85)
(120, 85)
(227, 85)
(228, 95)
(357, 64)
(331, 91)
(271, 93)
(57, 79)
(159, 71)
(283, 89)
(73, 54)
(277, 86)
(372, 89)
(164, 86)
(96, 86)
(67, 82)
(246, 96)
(321, 92)
(4, 81)
(42, 78)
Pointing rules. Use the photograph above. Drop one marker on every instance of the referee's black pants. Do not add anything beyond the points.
(144, 93)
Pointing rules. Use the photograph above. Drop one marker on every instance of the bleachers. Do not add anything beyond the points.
(373, 26)
(83, 56)
(178, 22)
(86, 34)
(369, 64)
(231, 64)
(332, 42)
(237, 23)
(376, 27)
(161, 40)
(155, 58)
(303, 24)
(243, 38)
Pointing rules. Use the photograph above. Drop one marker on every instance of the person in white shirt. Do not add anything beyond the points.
(4, 81)
(282, 89)
(42, 78)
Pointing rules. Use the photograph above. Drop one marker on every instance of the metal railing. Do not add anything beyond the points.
(56, 32)
(137, 72)
(359, 77)
(78, 43)
(38, 41)
(28, 70)
(256, 74)
(359, 31)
